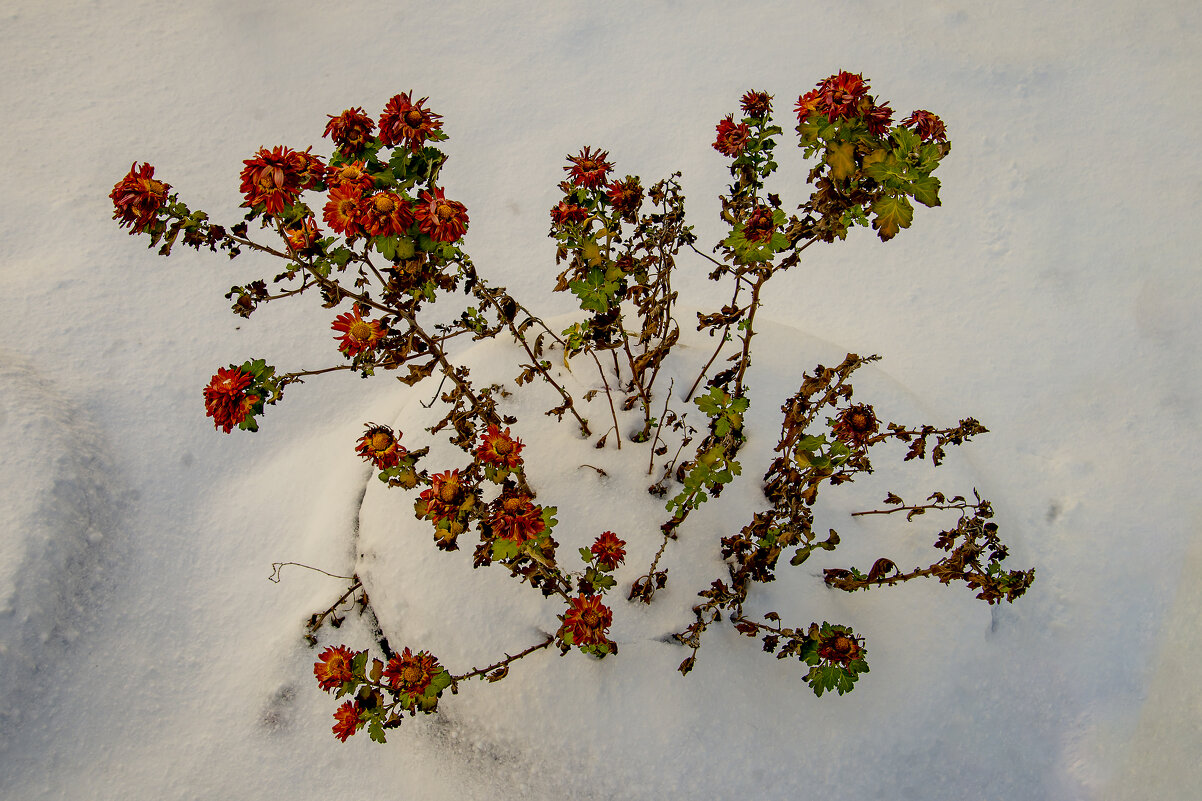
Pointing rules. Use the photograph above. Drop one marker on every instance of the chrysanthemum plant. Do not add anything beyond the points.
(394, 247)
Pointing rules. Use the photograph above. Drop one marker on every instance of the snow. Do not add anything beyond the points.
(1054, 296)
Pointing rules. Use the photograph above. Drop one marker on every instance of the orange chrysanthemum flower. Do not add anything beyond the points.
(381, 446)
(588, 169)
(411, 673)
(760, 225)
(440, 219)
(352, 174)
(404, 121)
(499, 449)
(341, 211)
(807, 104)
(333, 667)
(226, 398)
(350, 130)
(587, 620)
(516, 518)
(444, 496)
(385, 214)
(732, 137)
(927, 125)
(138, 198)
(310, 170)
(303, 235)
(567, 212)
(347, 717)
(358, 335)
(625, 196)
(841, 95)
(856, 424)
(609, 550)
(270, 179)
(756, 104)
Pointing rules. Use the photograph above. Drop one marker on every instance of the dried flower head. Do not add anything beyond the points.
(271, 179)
(440, 219)
(840, 646)
(381, 446)
(856, 424)
(411, 673)
(760, 225)
(350, 130)
(310, 170)
(841, 95)
(444, 496)
(609, 550)
(138, 198)
(499, 448)
(516, 518)
(303, 235)
(408, 123)
(385, 214)
(567, 212)
(333, 667)
(347, 720)
(227, 400)
(756, 104)
(876, 118)
(358, 335)
(732, 137)
(588, 169)
(587, 620)
(625, 196)
(352, 174)
(928, 126)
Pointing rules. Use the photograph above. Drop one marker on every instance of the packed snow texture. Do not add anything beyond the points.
(1054, 296)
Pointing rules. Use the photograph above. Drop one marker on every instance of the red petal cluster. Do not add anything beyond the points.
(587, 619)
(567, 212)
(856, 424)
(273, 178)
(381, 446)
(760, 225)
(333, 667)
(928, 126)
(732, 137)
(404, 121)
(353, 174)
(350, 130)
(444, 495)
(756, 104)
(841, 647)
(516, 518)
(588, 169)
(226, 398)
(625, 196)
(609, 550)
(138, 198)
(499, 449)
(358, 335)
(302, 236)
(347, 717)
(384, 214)
(341, 211)
(411, 673)
(845, 95)
(440, 219)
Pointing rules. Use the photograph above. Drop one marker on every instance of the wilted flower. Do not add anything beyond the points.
(411, 673)
(927, 125)
(839, 646)
(732, 137)
(567, 212)
(609, 550)
(587, 620)
(841, 94)
(588, 169)
(441, 219)
(877, 118)
(756, 104)
(138, 198)
(381, 446)
(760, 225)
(856, 424)
(302, 235)
(625, 196)
(347, 717)
(310, 170)
(353, 174)
(385, 214)
(350, 130)
(358, 335)
(516, 518)
(226, 398)
(444, 496)
(271, 179)
(341, 211)
(333, 667)
(404, 121)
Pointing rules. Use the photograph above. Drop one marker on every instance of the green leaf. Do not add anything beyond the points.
(842, 160)
(891, 215)
(925, 189)
(375, 730)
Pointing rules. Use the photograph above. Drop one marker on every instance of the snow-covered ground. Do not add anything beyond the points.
(1054, 296)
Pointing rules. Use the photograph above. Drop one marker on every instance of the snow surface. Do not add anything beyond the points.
(1054, 296)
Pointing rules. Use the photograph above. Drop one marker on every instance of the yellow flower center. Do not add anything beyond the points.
(512, 505)
(502, 446)
(411, 675)
(381, 441)
(351, 173)
(415, 118)
(448, 490)
(385, 204)
(360, 331)
(445, 211)
(590, 618)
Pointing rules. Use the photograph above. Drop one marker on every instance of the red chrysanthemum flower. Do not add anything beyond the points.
(411, 673)
(841, 647)
(352, 174)
(341, 211)
(385, 214)
(625, 196)
(588, 168)
(856, 424)
(444, 496)
(381, 446)
(310, 170)
(760, 225)
(808, 103)
(407, 122)
(347, 717)
(138, 198)
(841, 95)
(350, 130)
(567, 212)
(270, 179)
(609, 550)
(877, 118)
(333, 667)
(226, 398)
(587, 620)
(732, 137)
(358, 335)
(440, 219)
(927, 125)
(303, 235)
(516, 518)
(756, 104)
(499, 449)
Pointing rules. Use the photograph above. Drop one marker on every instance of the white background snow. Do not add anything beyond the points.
(1054, 296)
